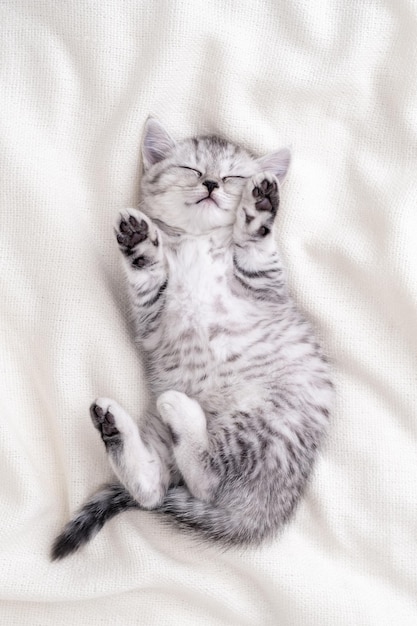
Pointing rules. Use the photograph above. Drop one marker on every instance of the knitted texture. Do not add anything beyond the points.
(336, 81)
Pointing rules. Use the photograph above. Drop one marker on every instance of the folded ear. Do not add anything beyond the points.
(277, 162)
(157, 143)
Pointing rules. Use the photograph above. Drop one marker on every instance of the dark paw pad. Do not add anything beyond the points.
(104, 422)
(266, 196)
(131, 232)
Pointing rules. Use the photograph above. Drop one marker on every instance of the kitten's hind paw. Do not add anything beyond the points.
(105, 422)
(138, 237)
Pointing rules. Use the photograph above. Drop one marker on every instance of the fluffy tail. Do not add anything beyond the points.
(179, 506)
(104, 505)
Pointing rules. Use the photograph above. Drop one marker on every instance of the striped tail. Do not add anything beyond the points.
(224, 524)
(104, 505)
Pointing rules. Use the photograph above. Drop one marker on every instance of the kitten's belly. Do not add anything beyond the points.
(207, 336)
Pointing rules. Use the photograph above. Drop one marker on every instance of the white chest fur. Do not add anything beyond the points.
(198, 294)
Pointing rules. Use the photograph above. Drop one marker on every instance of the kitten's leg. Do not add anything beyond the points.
(140, 242)
(139, 468)
(257, 266)
(186, 421)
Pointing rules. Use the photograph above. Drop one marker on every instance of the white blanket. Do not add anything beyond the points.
(337, 81)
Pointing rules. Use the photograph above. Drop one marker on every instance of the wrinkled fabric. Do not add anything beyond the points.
(337, 82)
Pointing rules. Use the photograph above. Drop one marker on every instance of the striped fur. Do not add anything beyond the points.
(240, 390)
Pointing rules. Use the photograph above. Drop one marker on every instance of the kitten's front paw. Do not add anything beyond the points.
(265, 192)
(258, 208)
(138, 237)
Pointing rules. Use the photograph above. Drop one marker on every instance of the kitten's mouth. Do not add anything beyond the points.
(208, 199)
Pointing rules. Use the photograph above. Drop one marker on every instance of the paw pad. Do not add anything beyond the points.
(266, 195)
(131, 232)
(104, 421)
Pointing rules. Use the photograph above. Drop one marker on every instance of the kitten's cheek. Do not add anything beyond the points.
(234, 186)
(230, 202)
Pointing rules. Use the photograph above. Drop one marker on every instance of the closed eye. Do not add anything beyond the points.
(192, 169)
(226, 178)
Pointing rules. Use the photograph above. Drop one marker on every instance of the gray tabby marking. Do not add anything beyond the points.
(240, 390)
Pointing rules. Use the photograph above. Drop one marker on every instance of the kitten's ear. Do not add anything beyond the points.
(156, 143)
(277, 162)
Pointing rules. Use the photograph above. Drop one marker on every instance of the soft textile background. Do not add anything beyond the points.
(337, 81)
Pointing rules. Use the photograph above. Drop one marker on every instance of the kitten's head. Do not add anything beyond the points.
(196, 184)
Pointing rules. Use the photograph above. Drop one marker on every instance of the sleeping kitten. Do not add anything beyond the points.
(240, 389)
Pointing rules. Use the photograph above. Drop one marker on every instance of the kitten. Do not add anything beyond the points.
(241, 392)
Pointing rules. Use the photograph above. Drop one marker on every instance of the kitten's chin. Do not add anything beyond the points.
(206, 217)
